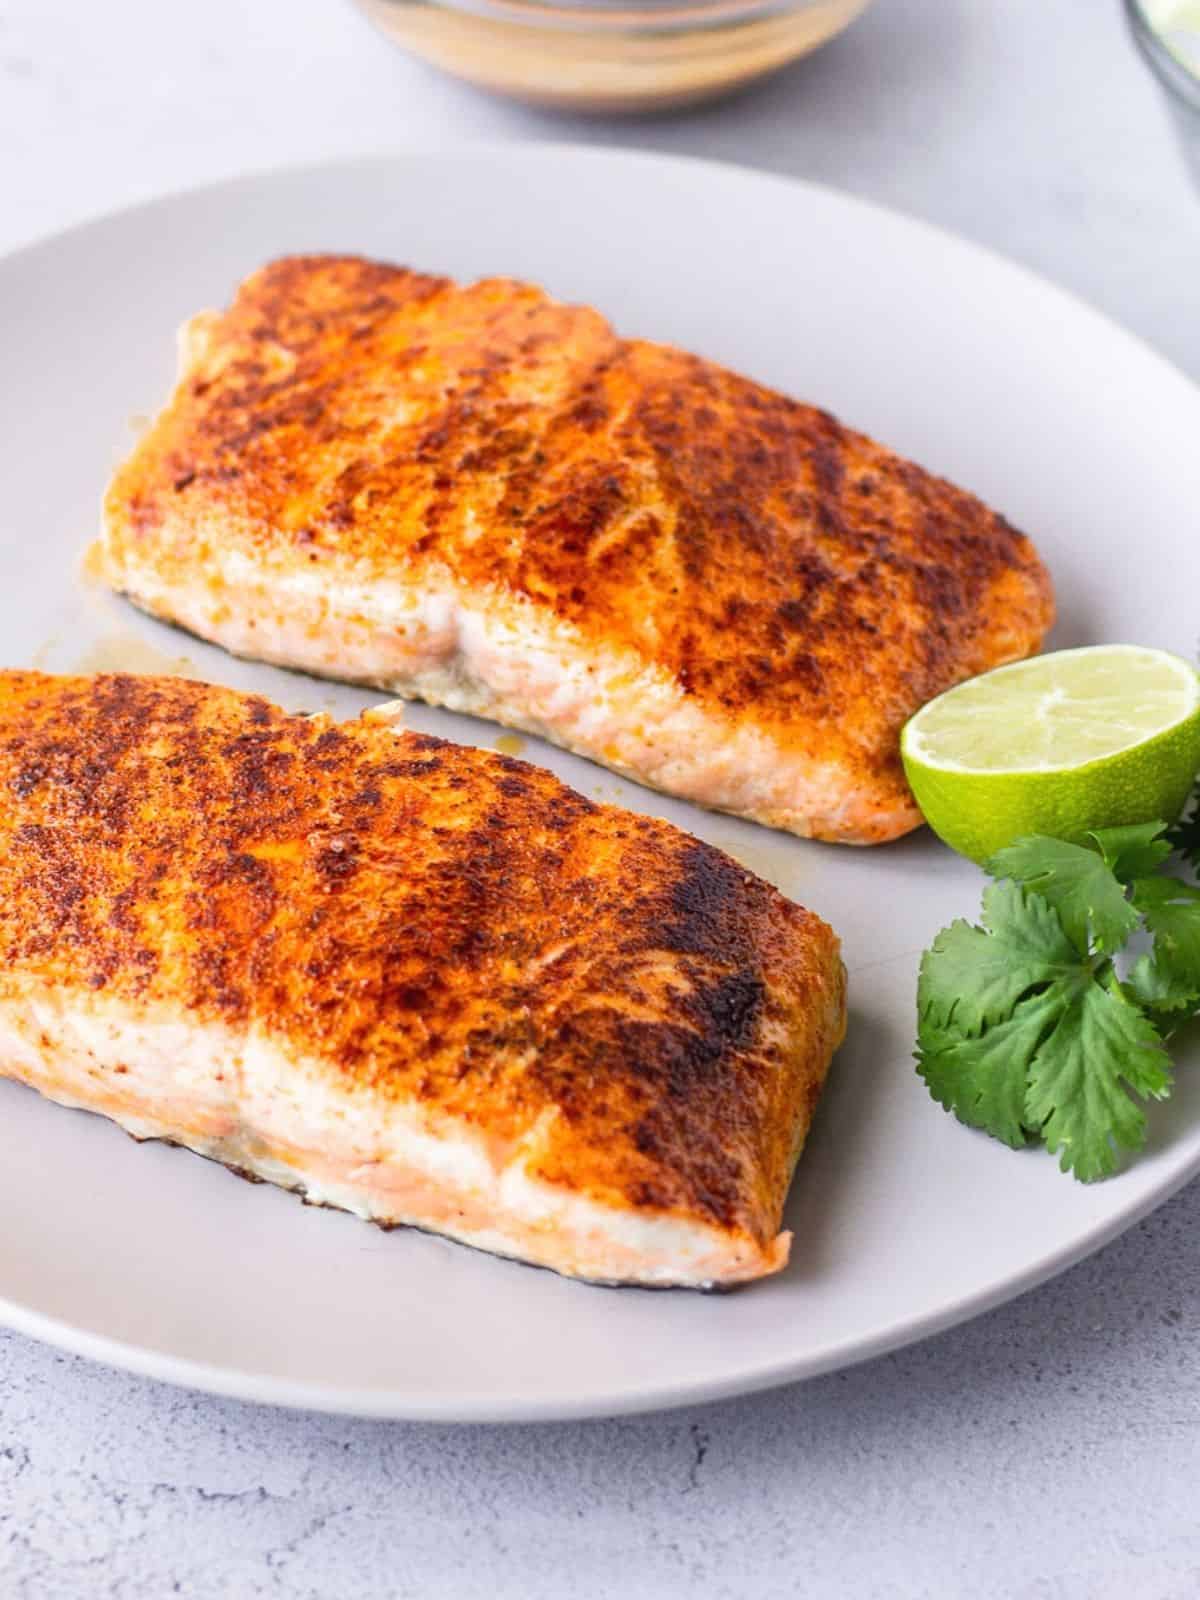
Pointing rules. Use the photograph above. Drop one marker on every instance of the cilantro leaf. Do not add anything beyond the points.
(1077, 882)
(1166, 1023)
(1025, 1029)
(1101, 1047)
(1151, 894)
(1161, 999)
(1169, 979)
(1132, 852)
(972, 977)
(1185, 835)
(983, 1079)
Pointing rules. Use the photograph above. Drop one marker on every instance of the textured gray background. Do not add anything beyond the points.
(1051, 1449)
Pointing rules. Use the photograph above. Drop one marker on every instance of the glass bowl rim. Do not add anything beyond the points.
(1172, 70)
(617, 16)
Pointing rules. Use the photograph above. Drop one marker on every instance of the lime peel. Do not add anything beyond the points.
(1059, 744)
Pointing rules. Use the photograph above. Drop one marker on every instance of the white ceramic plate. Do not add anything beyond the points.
(905, 1222)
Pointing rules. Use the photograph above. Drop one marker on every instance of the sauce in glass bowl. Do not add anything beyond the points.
(609, 55)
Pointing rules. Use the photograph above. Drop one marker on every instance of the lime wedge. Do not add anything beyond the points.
(1059, 744)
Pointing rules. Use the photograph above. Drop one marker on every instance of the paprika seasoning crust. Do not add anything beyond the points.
(483, 498)
(428, 984)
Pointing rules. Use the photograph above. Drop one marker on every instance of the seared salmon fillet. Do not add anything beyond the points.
(427, 984)
(485, 499)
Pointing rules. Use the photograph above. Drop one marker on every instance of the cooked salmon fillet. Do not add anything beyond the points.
(485, 499)
(428, 984)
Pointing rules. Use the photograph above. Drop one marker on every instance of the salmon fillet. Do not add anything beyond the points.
(424, 983)
(484, 499)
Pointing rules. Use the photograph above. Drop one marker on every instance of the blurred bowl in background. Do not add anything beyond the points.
(610, 55)
(1168, 33)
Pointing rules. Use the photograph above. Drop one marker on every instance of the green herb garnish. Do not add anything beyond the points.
(1041, 1024)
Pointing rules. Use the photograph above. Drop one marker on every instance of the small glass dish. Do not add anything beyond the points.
(1168, 34)
(611, 55)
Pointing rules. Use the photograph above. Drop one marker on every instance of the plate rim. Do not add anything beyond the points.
(387, 1406)
(316, 1396)
(601, 151)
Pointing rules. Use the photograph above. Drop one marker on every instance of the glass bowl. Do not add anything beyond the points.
(1168, 33)
(609, 55)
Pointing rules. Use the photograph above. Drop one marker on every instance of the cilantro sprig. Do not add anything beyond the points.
(1040, 1023)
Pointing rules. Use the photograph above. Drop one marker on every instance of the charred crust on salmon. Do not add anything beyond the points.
(432, 943)
(360, 441)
